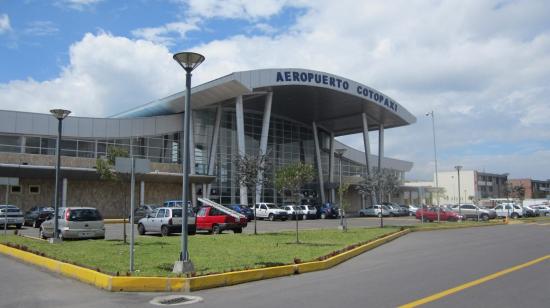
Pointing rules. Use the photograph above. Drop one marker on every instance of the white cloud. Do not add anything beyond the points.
(106, 75)
(164, 34)
(41, 28)
(4, 23)
(79, 5)
(242, 9)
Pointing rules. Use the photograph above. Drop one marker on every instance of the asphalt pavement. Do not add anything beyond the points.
(410, 268)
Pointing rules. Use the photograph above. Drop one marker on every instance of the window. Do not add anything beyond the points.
(160, 213)
(34, 189)
(15, 189)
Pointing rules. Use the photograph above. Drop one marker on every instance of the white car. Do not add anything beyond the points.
(13, 215)
(544, 210)
(509, 210)
(270, 211)
(293, 211)
(374, 210)
(309, 211)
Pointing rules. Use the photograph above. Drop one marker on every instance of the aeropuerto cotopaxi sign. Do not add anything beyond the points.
(334, 82)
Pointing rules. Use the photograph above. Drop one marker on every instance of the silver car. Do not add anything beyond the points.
(75, 223)
(374, 210)
(166, 220)
(11, 215)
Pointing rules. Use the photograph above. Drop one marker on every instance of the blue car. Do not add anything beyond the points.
(328, 210)
(246, 211)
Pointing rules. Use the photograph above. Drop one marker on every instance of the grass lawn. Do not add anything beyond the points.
(155, 256)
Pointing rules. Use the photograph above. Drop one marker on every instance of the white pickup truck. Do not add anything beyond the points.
(270, 211)
(11, 215)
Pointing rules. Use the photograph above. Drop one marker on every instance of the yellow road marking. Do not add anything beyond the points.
(470, 284)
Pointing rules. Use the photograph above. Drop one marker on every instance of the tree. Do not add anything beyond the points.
(389, 183)
(518, 192)
(250, 171)
(292, 178)
(104, 167)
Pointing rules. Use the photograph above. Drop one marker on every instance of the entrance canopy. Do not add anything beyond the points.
(333, 102)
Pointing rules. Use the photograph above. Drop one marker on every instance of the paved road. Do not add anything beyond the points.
(407, 269)
(114, 231)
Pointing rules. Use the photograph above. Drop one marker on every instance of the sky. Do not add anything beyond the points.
(482, 66)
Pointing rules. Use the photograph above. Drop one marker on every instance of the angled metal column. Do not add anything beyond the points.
(213, 148)
(264, 138)
(192, 158)
(331, 169)
(142, 193)
(241, 143)
(380, 155)
(367, 150)
(319, 164)
(64, 194)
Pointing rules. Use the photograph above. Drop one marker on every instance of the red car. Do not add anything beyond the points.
(215, 221)
(430, 214)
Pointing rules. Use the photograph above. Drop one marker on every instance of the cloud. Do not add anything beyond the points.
(106, 75)
(41, 28)
(164, 34)
(79, 5)
(4, 24)
(235, 9)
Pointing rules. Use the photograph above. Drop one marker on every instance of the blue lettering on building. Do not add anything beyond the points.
(288, 76)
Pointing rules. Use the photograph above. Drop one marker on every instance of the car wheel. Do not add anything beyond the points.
(216, 229)
(283, 219)
(361, 214)
(270, 217)
(514, 215)
(141, 229)
(35, 224)
(484, 217)
(392, 215)
(18, 226)
(304, 217)
(192, 231)
(323, 216)
(238, 230)
(164, 231)
(41, 234)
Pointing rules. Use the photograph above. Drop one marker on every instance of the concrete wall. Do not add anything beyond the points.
(449, 181)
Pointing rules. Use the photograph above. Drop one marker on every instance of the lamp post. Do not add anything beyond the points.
(340, 154)
(459, 207)
(189, 61)
(431, 113)
(59, 114)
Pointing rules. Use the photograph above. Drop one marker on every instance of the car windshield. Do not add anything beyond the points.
(271, 206)
(84, 215)
(176, 212)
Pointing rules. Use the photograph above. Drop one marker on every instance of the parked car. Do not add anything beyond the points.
(215, 221)
(328, 210)
(530, 211)
(308, 211)
(412, 209)
(166, 220)
(32, 214)
(430, 214)
(42, 217)
(143, 210)
(396, 209)
(374, 210)
(544, 210)
(245, 210)
(393, 210)
(471, 211)
(13, 215)
(509, 210)
(270, 211)
(75, 223)
(294, 211)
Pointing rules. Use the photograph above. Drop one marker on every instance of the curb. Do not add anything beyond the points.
(115, 221)
(457, 227)
(166, 284)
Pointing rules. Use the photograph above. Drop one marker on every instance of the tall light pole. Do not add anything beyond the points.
(431, 113)
(59, 114)
(340, 154)
(189, 61)
(459, 207)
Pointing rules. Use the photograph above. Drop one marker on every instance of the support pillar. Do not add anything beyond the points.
(64, 193)
(264, 138)
(213, 149)
(380, 156)
(241, 143)
(367, 150)
(142, 193)
(331, 169)
(319, 164)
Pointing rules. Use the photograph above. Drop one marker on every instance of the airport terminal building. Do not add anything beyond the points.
(289, 114)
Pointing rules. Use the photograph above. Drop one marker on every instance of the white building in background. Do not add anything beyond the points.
(474, 185)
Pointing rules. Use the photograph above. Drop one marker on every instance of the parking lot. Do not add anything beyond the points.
(114, 231)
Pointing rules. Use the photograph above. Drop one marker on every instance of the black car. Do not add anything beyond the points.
(42, 217)
(328, 210)
(32, 214)
(246, 211)
(143, 210)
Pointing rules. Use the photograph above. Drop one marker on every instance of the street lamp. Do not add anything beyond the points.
(189, 61)
(431, 113)
(459, 207)
(59, 114)
(340, 154)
